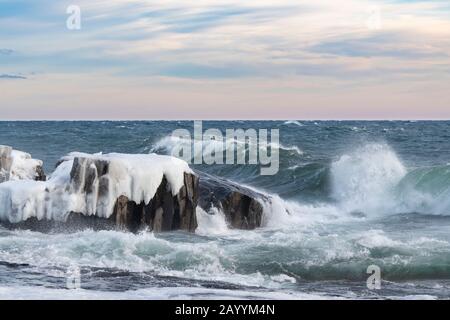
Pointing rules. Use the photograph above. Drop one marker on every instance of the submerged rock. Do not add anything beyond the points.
(242, 206)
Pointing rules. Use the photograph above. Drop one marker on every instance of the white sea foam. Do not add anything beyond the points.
(294, 149)
(364, 180)
(143, 252)
(170, 143)
(283, 278)
(377, 238)
(373, 180)
(281, 213)
(211, 223)
(295, 122)
(161, 293)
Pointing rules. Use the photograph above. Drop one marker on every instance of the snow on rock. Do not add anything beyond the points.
(18, 165)
(90, 185)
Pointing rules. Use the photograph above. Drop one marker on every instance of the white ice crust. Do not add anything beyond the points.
(22, 165)
(135, 176)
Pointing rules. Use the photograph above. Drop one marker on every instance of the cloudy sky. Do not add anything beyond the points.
(265, 59)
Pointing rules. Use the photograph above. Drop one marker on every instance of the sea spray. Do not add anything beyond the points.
(307, 245)
(364, 180)
(238, 146)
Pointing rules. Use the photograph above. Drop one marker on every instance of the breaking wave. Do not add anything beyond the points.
(171, 144)
(374, 180)
(371, 180)
(294, 122)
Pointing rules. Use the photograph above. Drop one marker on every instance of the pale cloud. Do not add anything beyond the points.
(206, 57)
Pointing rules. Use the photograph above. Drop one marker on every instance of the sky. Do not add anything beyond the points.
(225, 59)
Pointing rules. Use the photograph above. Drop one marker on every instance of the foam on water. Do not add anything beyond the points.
(294, 122)
(187, 258)
(376, 203)
(211, 223)
(172, 144)
(162, 293)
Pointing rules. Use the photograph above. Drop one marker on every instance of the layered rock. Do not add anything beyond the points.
(164, 212)
(242, 206)
(18, 165)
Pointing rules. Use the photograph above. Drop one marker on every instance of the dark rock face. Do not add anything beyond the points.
(164, 212)
(241, 206)
(242, 211)
(85, 171)
(40, 174)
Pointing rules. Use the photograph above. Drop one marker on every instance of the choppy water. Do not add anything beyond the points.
(358, 194)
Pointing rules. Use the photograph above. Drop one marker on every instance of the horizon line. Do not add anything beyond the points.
(227, 119)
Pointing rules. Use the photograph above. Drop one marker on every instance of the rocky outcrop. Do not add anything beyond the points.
(242, 206)
(164, 212)
(87, 185)
(18, 165)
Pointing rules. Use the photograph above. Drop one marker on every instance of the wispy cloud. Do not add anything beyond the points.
(11, 76)
(302, 52)
(6, 52)
(400, 45)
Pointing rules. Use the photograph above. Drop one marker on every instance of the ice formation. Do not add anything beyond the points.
(17, 165)
(79, 185)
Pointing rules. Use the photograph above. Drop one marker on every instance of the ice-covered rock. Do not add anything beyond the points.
(125, 191)
(133, 191)
(18, 165)
(164, 212)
